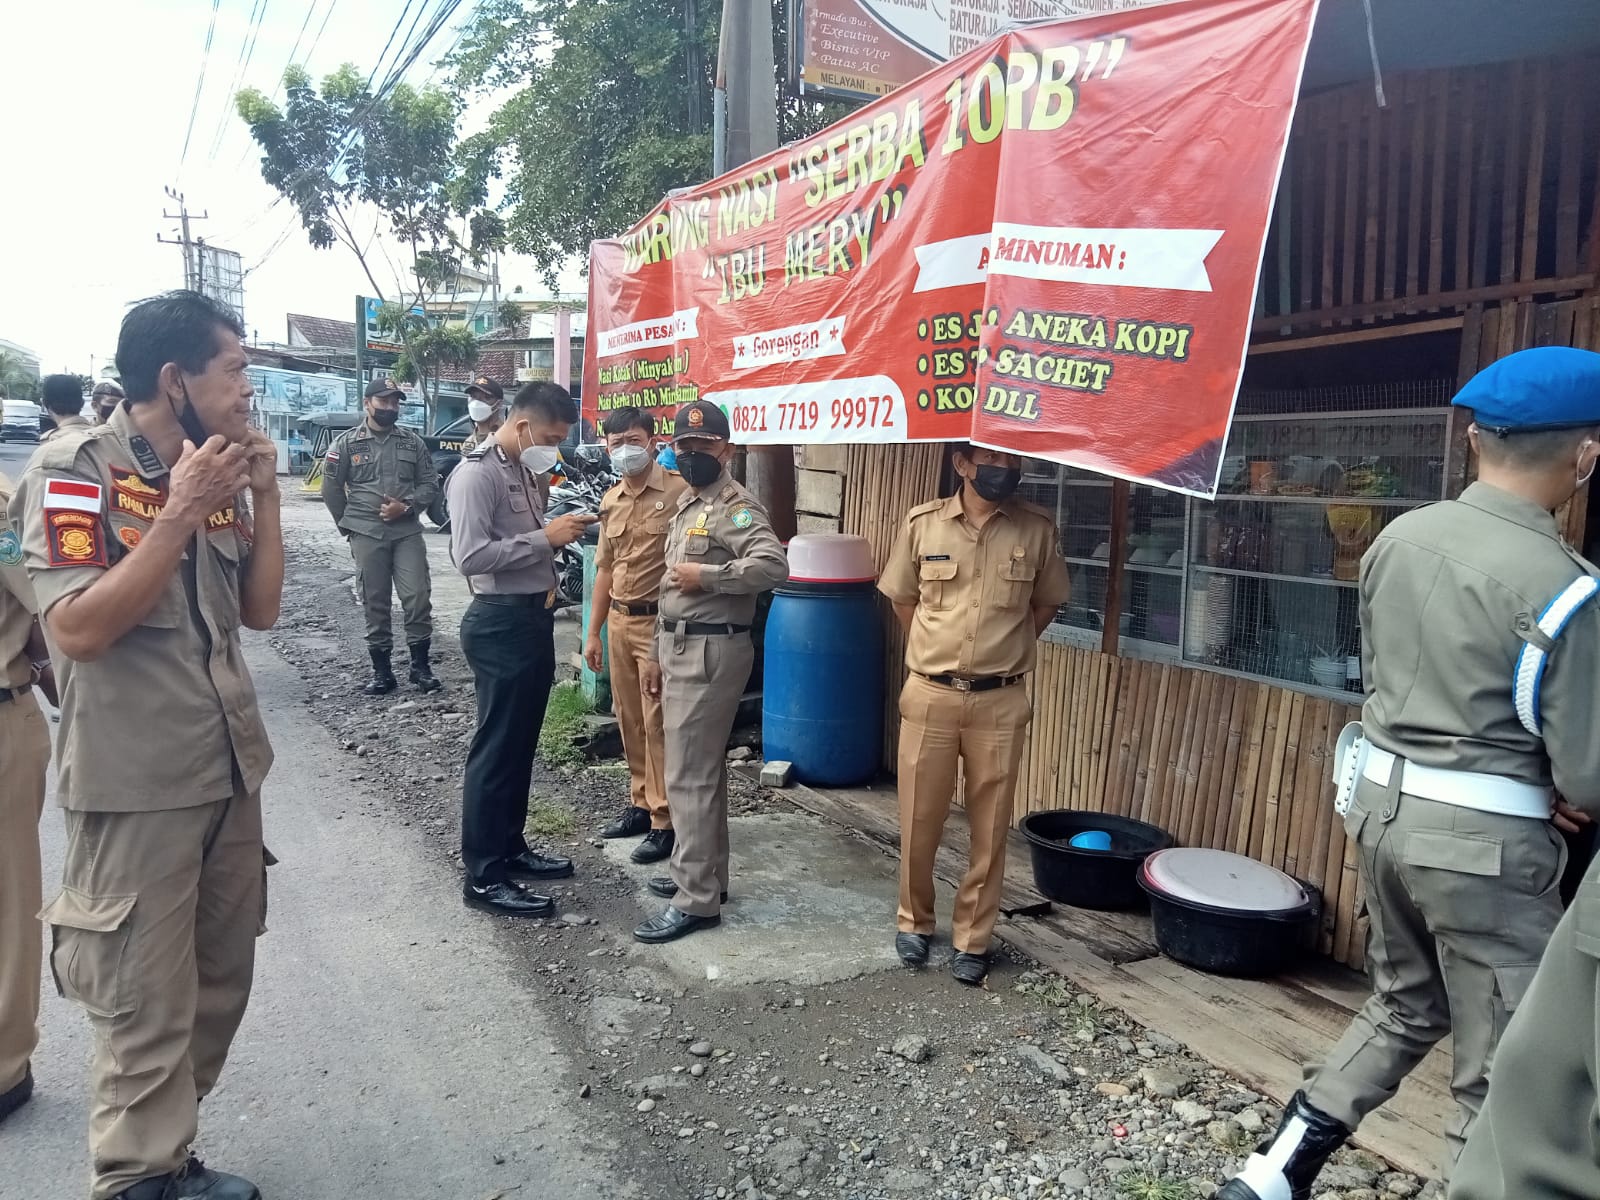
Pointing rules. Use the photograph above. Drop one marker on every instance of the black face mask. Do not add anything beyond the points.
(385, 417)
(996, 483)
(190, 420)
(698, 468)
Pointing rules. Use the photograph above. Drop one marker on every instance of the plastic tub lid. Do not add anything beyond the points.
(830, 558)
(1219, 879)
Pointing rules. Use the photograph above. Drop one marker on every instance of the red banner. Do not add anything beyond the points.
(1047, 245)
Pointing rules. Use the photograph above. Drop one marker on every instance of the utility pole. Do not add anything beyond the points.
(193, 267)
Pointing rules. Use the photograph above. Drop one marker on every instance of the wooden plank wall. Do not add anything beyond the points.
(1217, 761)
(1472, 178)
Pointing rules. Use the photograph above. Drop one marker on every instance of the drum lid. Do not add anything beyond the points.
(1219, 879)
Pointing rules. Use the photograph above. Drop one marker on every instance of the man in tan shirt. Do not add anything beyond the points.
(974, 580)
(629, 566)
(62, 397)
(24, 755)
(146, 563)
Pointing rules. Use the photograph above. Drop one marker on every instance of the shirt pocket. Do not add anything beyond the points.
(517, 502)
(363, 467)
(228, 557)
(655, 527)
(936, 585)
(1014, 588)
(406, 459)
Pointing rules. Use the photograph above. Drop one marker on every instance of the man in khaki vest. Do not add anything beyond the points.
(629, 566)
(1481, 638)
(721, 555)
(24, 756)
(146, 560)
(974, 580)
(62, 398)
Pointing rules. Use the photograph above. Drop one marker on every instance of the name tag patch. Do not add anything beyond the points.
(223, 518)
(132, 495)
(935, 558)
(74, 539)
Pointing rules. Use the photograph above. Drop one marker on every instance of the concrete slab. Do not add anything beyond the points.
(808, 904)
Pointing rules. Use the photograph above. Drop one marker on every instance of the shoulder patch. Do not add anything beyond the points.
(743, 518)
(10, 549)
(74, 538)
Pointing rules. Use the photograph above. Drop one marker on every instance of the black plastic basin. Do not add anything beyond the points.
(1101, 879)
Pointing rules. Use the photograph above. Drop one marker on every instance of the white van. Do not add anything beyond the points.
(21, 422)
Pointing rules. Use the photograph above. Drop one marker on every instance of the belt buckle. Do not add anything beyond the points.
(960, 683)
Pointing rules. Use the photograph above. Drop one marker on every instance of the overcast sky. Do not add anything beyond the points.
(95, 98)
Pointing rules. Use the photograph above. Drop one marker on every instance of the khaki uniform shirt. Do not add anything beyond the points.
(1449, 595)
(634, 516)
(362, 467)
(727, 532)
(63, 424)
(497, 537)
(163, 717)
(975, 589)
(17, 604)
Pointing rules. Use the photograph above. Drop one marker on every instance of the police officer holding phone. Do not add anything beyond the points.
(500, 540)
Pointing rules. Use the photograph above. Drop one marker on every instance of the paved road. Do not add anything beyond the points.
(13, 457)
(390, 1052)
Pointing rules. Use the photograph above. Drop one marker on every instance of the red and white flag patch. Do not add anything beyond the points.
(73, 495)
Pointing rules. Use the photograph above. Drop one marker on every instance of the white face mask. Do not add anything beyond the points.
(630, 460)
(478, 410)
(540, 460)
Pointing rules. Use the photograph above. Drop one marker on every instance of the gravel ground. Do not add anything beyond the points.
(898, 1084)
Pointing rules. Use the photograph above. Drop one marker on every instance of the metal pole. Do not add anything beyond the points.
(719, 129)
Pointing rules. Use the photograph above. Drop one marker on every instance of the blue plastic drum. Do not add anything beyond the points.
(822, 685)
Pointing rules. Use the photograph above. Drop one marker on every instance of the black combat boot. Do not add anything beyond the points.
(383, 680)
(1286, 1167)
(421, 673)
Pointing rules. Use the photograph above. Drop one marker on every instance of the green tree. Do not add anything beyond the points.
(610, 110)
(17, 382)
(341, 154)
(430, 347)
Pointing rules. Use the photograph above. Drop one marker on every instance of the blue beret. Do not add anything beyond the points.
(1548, 387)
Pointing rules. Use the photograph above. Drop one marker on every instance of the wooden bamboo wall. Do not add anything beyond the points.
(1227, 763)
(1470, 179)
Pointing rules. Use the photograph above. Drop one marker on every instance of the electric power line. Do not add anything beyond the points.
(199, 86)
(247, 51)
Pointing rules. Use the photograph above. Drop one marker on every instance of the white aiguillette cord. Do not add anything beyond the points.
(1372, 46)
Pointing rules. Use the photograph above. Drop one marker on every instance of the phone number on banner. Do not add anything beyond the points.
(868, 409)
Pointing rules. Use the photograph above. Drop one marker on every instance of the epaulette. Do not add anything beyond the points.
(924, 509)
(1028, 506)
(477, 452)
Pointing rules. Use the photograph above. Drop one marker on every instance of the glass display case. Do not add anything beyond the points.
(1262, 581)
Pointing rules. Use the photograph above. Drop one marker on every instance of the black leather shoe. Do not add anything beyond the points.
(192, 1181)
(970, 969)
(633, 822)
(671, 923)
(383, 681)
(14, 1098)
(508, 900)
(1308, 1137)
(912, 948)
(533, 865)
(421, 673)
(663, 886)
(657, 845)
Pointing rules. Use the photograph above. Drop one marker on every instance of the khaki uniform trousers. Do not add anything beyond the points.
(628, 639)
(1536, 1136)
(400, 565)
(24, 758)
(154, 937)
(1461, 905)
(702, 682)
(983, 732)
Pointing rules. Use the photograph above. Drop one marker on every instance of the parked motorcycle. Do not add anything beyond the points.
(586, 476)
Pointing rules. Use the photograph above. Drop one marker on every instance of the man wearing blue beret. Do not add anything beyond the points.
(1477, 746)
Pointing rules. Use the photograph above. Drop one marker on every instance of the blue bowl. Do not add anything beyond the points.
(1091, 839)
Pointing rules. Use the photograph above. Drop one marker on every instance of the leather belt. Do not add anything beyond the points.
(700, 629)
(980, 683)
(1464, 789)
(512, 599)
(645, 608)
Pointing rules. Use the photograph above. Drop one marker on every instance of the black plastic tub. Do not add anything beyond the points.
(1231, 941)
(1101, 879)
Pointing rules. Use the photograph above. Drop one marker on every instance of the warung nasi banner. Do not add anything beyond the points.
(1048, 245)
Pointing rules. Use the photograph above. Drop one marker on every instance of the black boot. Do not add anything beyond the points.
(1285, 1167)
(383, 680)
(421, 673)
